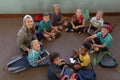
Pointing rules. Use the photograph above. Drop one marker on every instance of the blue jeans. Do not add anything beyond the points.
(68, 71)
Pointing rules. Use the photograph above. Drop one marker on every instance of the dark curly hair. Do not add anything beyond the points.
(53, 55)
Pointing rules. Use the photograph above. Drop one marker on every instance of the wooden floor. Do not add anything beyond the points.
(64, 45)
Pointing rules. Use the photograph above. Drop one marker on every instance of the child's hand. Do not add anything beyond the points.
(77, 67)
(74, 27)
(77, 27)
(94, 45)
(65, 66)
(38, 61)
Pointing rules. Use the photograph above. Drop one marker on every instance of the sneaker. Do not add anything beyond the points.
(67, 30)
(49, 39)
(91, 51)
(79, 32)
(72, 30)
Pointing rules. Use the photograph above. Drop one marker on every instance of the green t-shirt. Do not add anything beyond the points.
(43, 25)
(107, 40)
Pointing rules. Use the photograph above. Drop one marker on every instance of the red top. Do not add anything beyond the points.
(78, 20)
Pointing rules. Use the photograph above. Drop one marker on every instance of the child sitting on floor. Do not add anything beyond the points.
(35, 57)
(57, 19)
(100, 41)
(45, 28)
(96, 23)
(77, 22)
(57, 69)
(82, 55)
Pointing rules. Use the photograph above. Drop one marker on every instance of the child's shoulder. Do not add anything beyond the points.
(94, 17)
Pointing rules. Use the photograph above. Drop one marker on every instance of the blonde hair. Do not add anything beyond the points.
(27, 16)
(79, 9)
(34, 41)
(100, 11)
(56, 5)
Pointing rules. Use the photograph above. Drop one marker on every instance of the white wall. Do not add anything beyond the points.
(67, 6)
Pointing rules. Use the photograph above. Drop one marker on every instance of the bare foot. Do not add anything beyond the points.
(5, 68)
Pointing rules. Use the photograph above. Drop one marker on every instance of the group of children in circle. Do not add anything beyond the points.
(28, 40)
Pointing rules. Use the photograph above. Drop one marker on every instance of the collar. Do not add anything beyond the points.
(105, 36)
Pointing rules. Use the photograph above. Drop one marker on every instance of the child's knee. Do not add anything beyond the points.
(96, 49)
(65, 23)
(46, 36)
(60, 27)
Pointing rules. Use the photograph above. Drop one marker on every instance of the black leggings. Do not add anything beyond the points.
(97, 41)
(76, 30)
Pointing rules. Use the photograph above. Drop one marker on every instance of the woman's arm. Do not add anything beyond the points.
(20, 43)
(38, 61)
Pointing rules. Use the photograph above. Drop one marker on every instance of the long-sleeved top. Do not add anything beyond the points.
(23, 40)
(33, 56)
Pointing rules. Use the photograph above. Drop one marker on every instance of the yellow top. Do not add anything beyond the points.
(85, 59)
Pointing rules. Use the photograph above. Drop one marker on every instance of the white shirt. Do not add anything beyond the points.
(97, 23)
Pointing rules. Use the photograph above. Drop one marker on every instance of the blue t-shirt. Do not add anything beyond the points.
(107, 40)
(33, 56)
(43, 25)
(55, 69)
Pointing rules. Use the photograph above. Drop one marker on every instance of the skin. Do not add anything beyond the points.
(36, 46)
(57, 61)
(78, 14)
(56, 10)
(96, 47)
(28, 23)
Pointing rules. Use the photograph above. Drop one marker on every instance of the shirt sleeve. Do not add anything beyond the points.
(20, 41)
(91, 19)
(107, 42)
(31, 58)
(86, 61)
(50, 23)
(40, 28)
(35, 37)
(98, 34)
(56, 70)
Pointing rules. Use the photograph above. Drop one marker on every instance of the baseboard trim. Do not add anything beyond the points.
(64, 14)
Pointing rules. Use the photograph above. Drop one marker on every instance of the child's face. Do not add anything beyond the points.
(56, 10)
(83, 51)
(36, 46)
(46, 18)
(78, 12)
(57, 61)
(99, 15)
(104, 31)
(29, 23)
